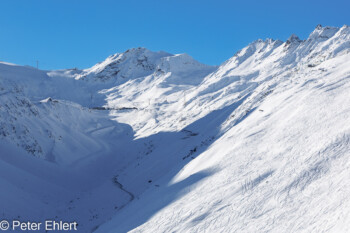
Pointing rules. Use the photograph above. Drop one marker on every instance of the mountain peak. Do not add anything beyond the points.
(139, 53)
(131, 63)
(318, 27)
(293, 39)
(321, 32)
(140, 62)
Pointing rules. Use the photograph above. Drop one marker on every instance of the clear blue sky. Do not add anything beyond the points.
(75, 33)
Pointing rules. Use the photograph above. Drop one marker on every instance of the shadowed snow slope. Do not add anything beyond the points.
(153, 142)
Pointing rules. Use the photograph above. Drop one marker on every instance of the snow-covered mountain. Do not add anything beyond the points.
(154, 142)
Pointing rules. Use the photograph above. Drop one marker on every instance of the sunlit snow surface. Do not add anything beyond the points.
(154, 142)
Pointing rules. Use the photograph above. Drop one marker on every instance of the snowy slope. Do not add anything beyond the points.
(153, 142)
(50, 152)
(282, 169)
(279, 159)
(59, 117)
(144, 83)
